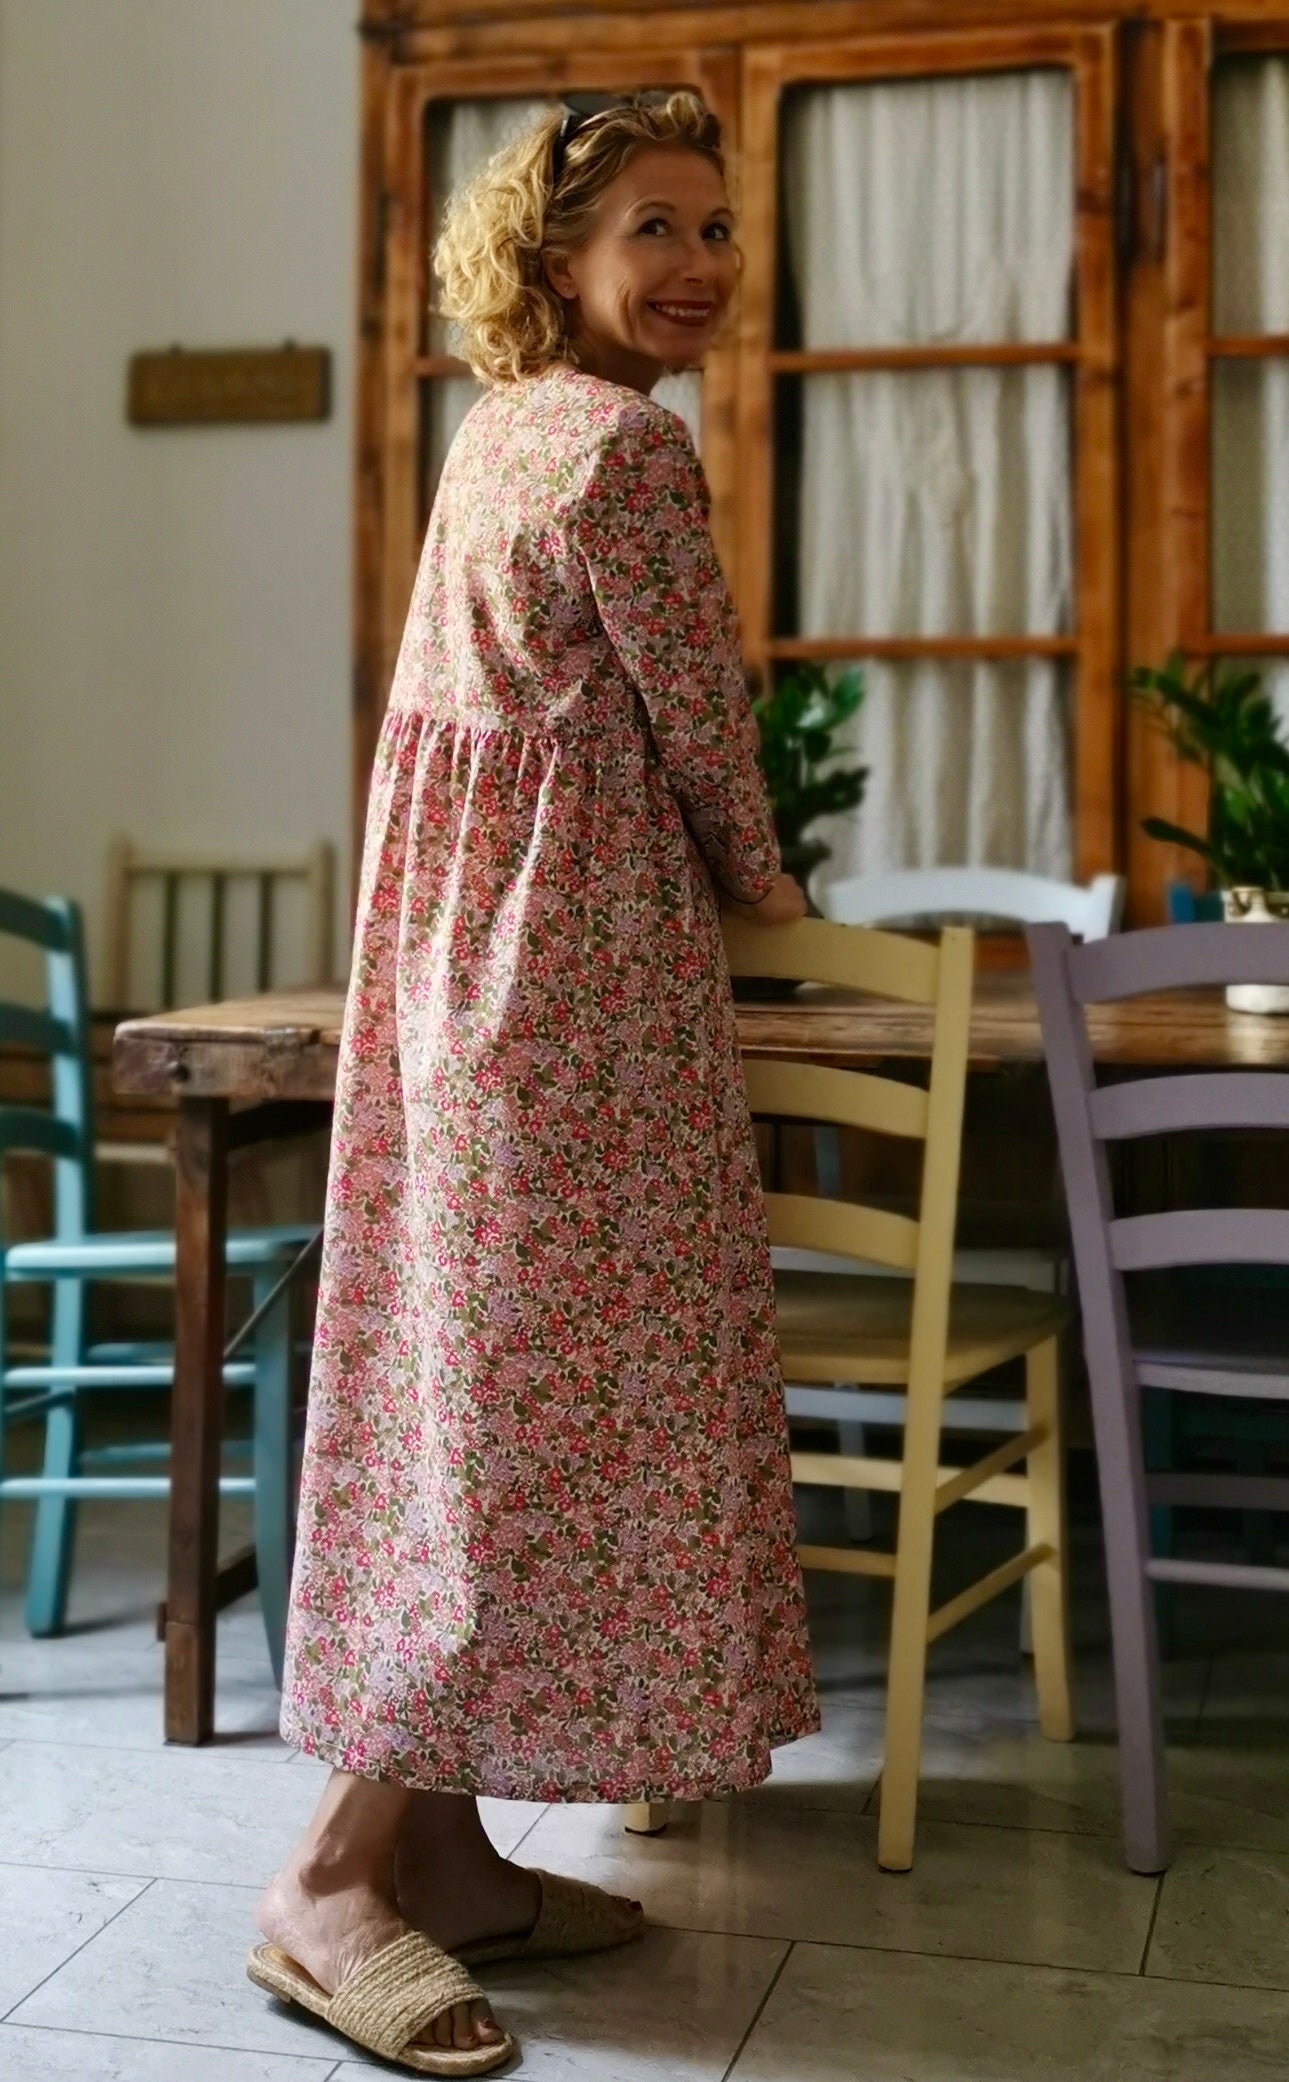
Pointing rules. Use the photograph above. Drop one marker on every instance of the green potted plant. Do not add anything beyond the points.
(1221, 719)
(798, 717)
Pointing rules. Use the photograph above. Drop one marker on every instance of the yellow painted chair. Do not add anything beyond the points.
(916, 1332)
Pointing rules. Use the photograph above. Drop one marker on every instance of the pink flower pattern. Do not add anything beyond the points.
(546, 1537)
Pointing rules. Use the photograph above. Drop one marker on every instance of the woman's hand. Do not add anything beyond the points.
(782, 905)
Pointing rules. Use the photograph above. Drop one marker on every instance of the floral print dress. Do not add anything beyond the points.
(546, 1538)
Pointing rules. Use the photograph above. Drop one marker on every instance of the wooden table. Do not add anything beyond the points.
(263, 1067)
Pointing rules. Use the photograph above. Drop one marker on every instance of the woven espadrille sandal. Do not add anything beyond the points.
(573, 1917)
(387, 2003)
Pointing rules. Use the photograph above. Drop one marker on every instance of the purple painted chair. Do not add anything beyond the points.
(1143, 1329)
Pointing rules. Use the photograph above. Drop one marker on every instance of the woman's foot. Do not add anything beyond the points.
(452, 1883)
(333, 1905)
(332, 1932)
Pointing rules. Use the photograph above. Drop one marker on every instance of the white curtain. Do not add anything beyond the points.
(938, 502)
(463, 135)
(1250, 449)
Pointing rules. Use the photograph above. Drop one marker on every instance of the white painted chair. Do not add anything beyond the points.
(950, 895)
(944, 896)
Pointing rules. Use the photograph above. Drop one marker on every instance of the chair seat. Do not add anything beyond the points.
(148, 1250)
(833, 1327)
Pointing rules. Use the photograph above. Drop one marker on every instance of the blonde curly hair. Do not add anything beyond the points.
(500, 227)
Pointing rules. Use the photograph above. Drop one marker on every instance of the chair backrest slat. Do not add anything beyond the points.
(22, 1026)
(869, 1235)
(841, 1098)
(858, 957)
(887, 965)
(27, 1129)
(1209, 1099)
(28, 918)
(1201, 1236)
(61, 1032)
(936, 895)
(1173, 957)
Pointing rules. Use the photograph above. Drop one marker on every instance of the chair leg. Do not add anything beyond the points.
(1133, 1633)
(856, 1503)
(274, 1469)
(54, 1537)
(646, 1817)
(1046, 1525)
(906, 1672)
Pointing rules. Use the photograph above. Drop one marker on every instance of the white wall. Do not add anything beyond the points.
(174, 603)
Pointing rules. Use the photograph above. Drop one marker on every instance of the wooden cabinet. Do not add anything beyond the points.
(1156, 385)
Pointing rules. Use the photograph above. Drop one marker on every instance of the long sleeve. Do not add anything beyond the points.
(666, 609)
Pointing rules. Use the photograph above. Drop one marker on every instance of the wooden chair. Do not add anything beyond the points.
(1174, 1426)
(943, 895)
(130, 868)
(77, 1256)
(940, 896)
(1167, 1335)
(194, 917)
(918, 1336)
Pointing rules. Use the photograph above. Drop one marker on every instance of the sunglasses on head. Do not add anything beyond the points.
(581, 109)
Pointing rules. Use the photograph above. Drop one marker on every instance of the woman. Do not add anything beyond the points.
(546, 1544)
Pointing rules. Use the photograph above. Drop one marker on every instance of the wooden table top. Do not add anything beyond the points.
(285, 1044)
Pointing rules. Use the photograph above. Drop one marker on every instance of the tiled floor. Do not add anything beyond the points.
(1018, 1948)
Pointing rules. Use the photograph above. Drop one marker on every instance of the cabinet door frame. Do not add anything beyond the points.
(1095, 644)
(1191, 348)
(393, 364)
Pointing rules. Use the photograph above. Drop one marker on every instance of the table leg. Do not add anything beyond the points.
(201, 1226)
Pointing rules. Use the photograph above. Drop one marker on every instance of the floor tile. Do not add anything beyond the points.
(28, 2055)
(1224, 1916)
(841, 2016)
(999, 1774)
(675, 2006)
(177, 1813)
(114, 1701)
(1056, 1899)
(1233, 1792)
(173, 1967)
(837, 1768)
(46, 1916)
(1247, 1689)
(1231, 1786)
(509, 1821)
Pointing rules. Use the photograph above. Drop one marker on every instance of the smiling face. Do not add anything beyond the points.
(651, 283)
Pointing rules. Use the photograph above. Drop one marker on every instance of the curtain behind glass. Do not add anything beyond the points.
(1250, 550)
(939, 503)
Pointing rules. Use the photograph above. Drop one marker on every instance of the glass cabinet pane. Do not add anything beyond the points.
(967, 761)
(1250, 496)
(1250, 175)
(928, 503)
(928, 212)
(1250, 397)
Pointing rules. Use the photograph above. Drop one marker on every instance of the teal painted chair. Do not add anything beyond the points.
(73, 1260)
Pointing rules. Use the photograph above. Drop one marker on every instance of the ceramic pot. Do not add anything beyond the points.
(1256, 907)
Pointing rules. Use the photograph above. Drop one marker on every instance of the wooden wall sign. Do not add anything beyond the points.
(183, 387)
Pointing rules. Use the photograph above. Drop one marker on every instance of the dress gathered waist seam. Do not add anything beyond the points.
(481, 723)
